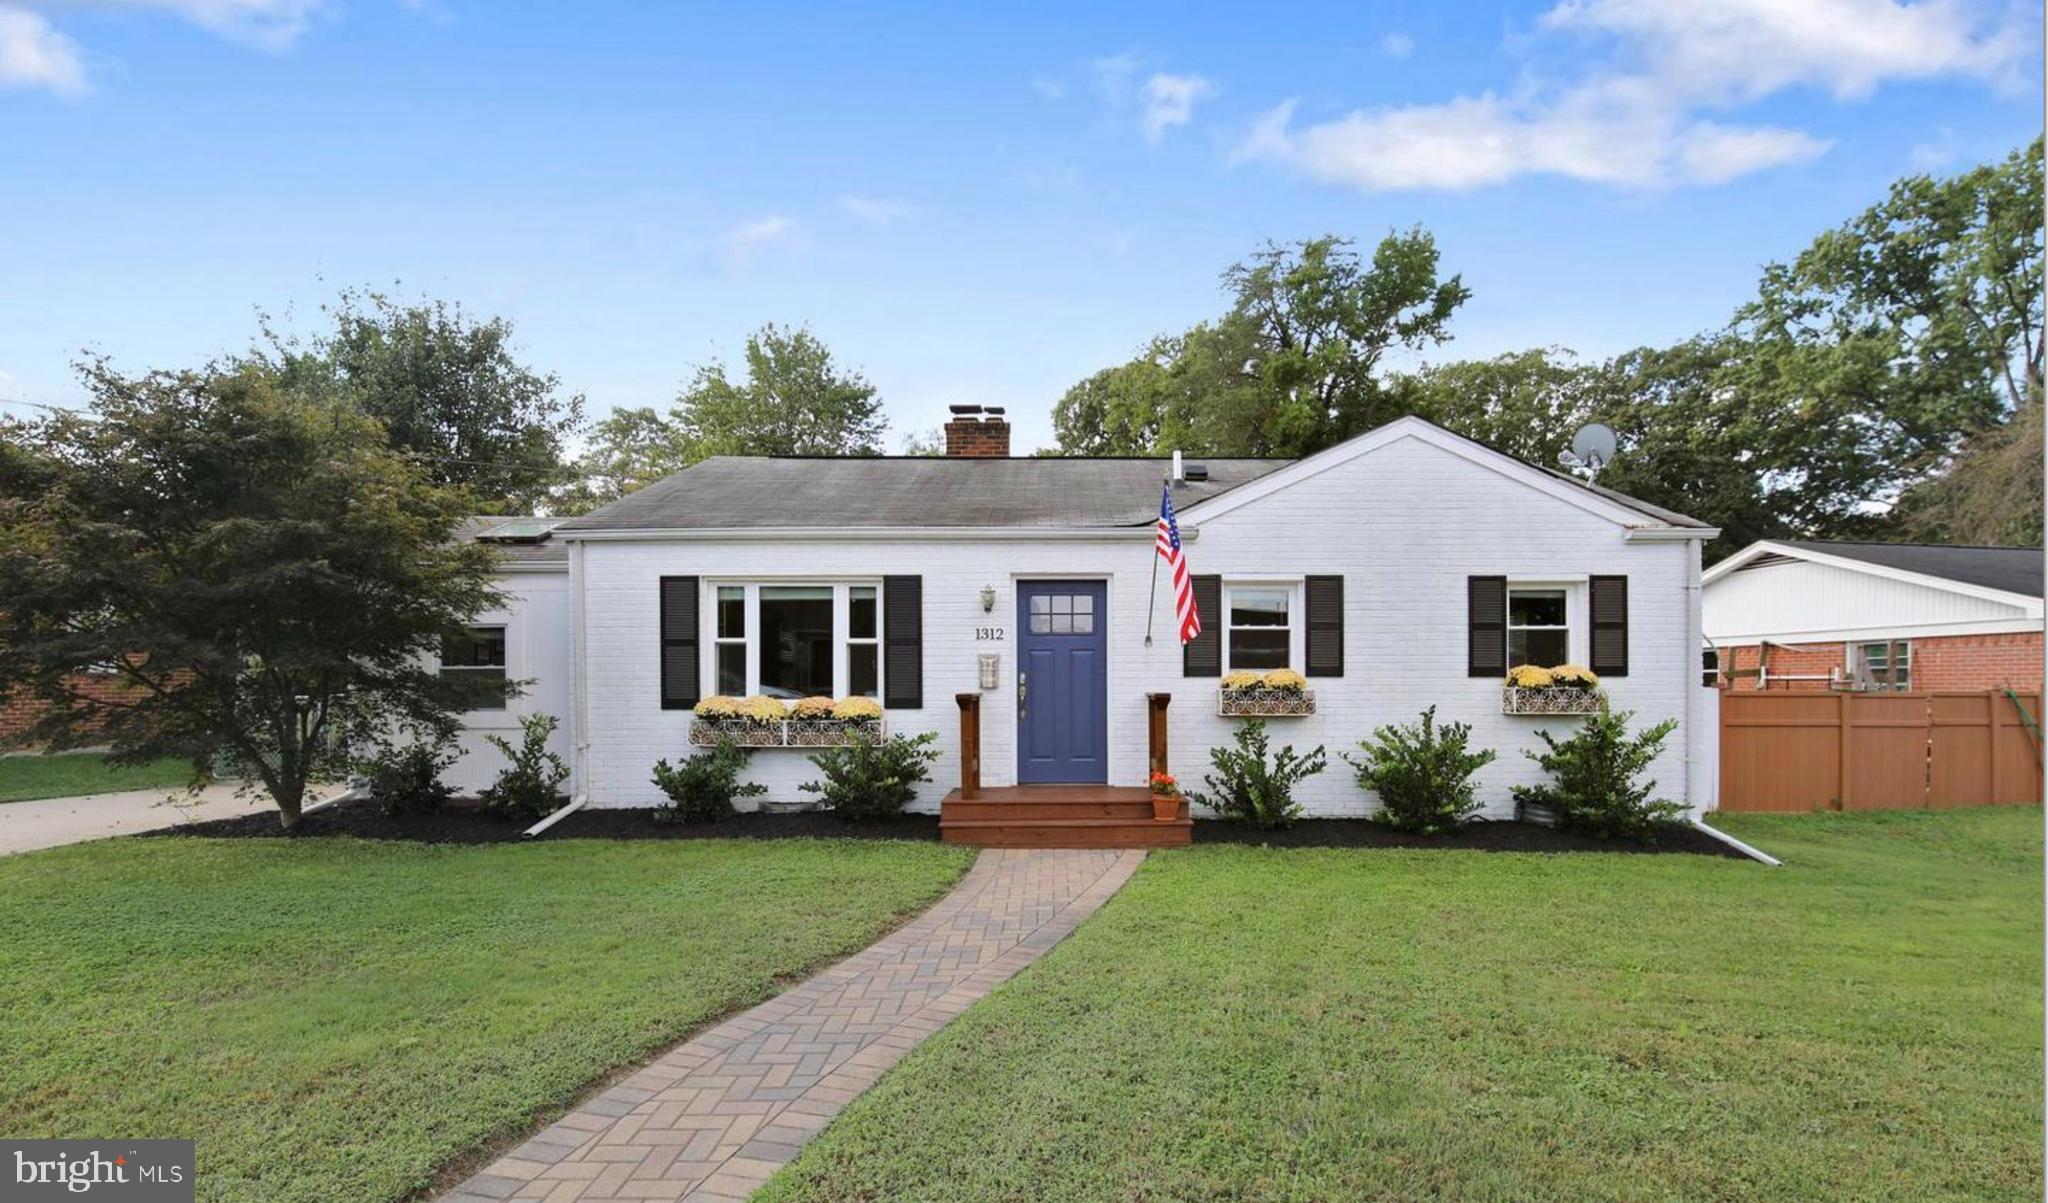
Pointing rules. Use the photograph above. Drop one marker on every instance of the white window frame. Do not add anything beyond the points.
(1905, 647)
(1296, 621)
(842, 628)
(485, 713)
(1574, 616)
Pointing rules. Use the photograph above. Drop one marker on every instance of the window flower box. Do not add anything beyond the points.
(763, 722)
(1551, 699)
(1566, 689)
(784, 733)
(1281, 693)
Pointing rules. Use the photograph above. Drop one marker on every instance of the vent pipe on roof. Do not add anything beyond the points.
(1179, 474)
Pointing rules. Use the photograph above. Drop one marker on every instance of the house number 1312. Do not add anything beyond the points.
(988, 634)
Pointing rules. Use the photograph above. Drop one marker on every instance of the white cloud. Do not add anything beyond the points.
(1714, 154)
(1745, 49)
(1170, 101)
(875, 211)
(1637, 119)
(1397, 45)
(1112, 74)
(34, 55)
(742, 244)
(1048, 87)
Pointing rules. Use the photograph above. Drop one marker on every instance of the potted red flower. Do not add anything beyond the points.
(1165, 798)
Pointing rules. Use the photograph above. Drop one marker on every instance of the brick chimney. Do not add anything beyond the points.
(978, 433)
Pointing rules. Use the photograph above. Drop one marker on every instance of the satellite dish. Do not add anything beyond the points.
(1592, 448)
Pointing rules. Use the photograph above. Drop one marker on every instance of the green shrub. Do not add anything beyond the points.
(1423, 774)
(1593, 784)
(1247, 789)
(871, 778)
(407, 781)
(526, 789)
(703, 787)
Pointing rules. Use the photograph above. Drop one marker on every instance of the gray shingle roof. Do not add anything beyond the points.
(912, 491)
(2013, 569)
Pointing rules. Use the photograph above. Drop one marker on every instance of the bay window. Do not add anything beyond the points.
(794, 640)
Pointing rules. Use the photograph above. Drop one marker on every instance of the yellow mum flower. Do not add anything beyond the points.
(857, 708)
(1577, 676)
(1241, 680)
(764, 709)
(718, 706)
(812, 708)
(1528, 676)
(1286, 678)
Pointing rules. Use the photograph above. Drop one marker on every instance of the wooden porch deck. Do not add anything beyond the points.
(1060, 816)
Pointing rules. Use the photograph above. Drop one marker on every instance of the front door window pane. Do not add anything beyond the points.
(796, 640)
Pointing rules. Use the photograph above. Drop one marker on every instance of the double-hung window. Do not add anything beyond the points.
(1539, 627)
(476, 654)
(1260, 626)
(796, 639)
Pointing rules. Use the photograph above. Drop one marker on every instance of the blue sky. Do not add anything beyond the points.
(967, 205)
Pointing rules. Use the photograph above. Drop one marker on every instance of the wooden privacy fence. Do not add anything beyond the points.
(1878, 751)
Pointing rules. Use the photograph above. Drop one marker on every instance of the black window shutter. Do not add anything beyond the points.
(1486, 626)
(1610, 625)
(903, 643)
(1325, 598)
(1202, 656)
(679, 687)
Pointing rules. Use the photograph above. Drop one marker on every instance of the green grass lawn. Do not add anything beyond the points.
(1244, 1023)
(23, 778)
(332, 1019)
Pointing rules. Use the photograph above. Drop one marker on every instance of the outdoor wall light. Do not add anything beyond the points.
(988, 599)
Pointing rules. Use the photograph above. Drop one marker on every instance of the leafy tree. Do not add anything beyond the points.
(1293, 367)
(1991, 494)
(794, 400)
(1526, 403)
(255, 561)
(448, 389)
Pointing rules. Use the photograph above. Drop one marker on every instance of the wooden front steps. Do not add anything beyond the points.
(1060, 816)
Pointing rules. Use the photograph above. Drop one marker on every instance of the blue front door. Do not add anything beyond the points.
(1062, 681)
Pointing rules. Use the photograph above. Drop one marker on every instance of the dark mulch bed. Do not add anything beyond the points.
(467, 825)
(1474, 837)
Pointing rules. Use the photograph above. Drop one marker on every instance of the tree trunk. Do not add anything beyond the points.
(289, 806)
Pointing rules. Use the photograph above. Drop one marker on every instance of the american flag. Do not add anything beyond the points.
(1177, 564)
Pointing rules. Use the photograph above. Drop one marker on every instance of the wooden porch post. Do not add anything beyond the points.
(1155, 730)
(970, 744)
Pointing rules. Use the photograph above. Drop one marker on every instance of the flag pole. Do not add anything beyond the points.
(1152, 599)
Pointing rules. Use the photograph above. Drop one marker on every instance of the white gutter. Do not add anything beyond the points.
(1695, 624)
(574, 804)
(1754, 853)
(867, 534)
(1670, 534)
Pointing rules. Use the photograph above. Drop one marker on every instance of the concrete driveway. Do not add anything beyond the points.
(48, 822)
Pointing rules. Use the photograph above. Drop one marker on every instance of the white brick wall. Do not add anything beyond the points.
(536, 622)
(1404, 524)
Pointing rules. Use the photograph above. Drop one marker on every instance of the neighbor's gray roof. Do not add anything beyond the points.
(911, 491)
(2013, 569)
(546, 552)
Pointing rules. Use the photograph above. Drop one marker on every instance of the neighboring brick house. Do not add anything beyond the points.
(21, 710)
(1814, 615)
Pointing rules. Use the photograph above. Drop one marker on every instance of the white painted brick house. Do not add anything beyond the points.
(1397, 570)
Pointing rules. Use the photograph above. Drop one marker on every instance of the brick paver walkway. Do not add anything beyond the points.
(713, 1118)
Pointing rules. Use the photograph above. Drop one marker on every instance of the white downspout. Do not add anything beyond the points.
(1694, 636)
(579, 677)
